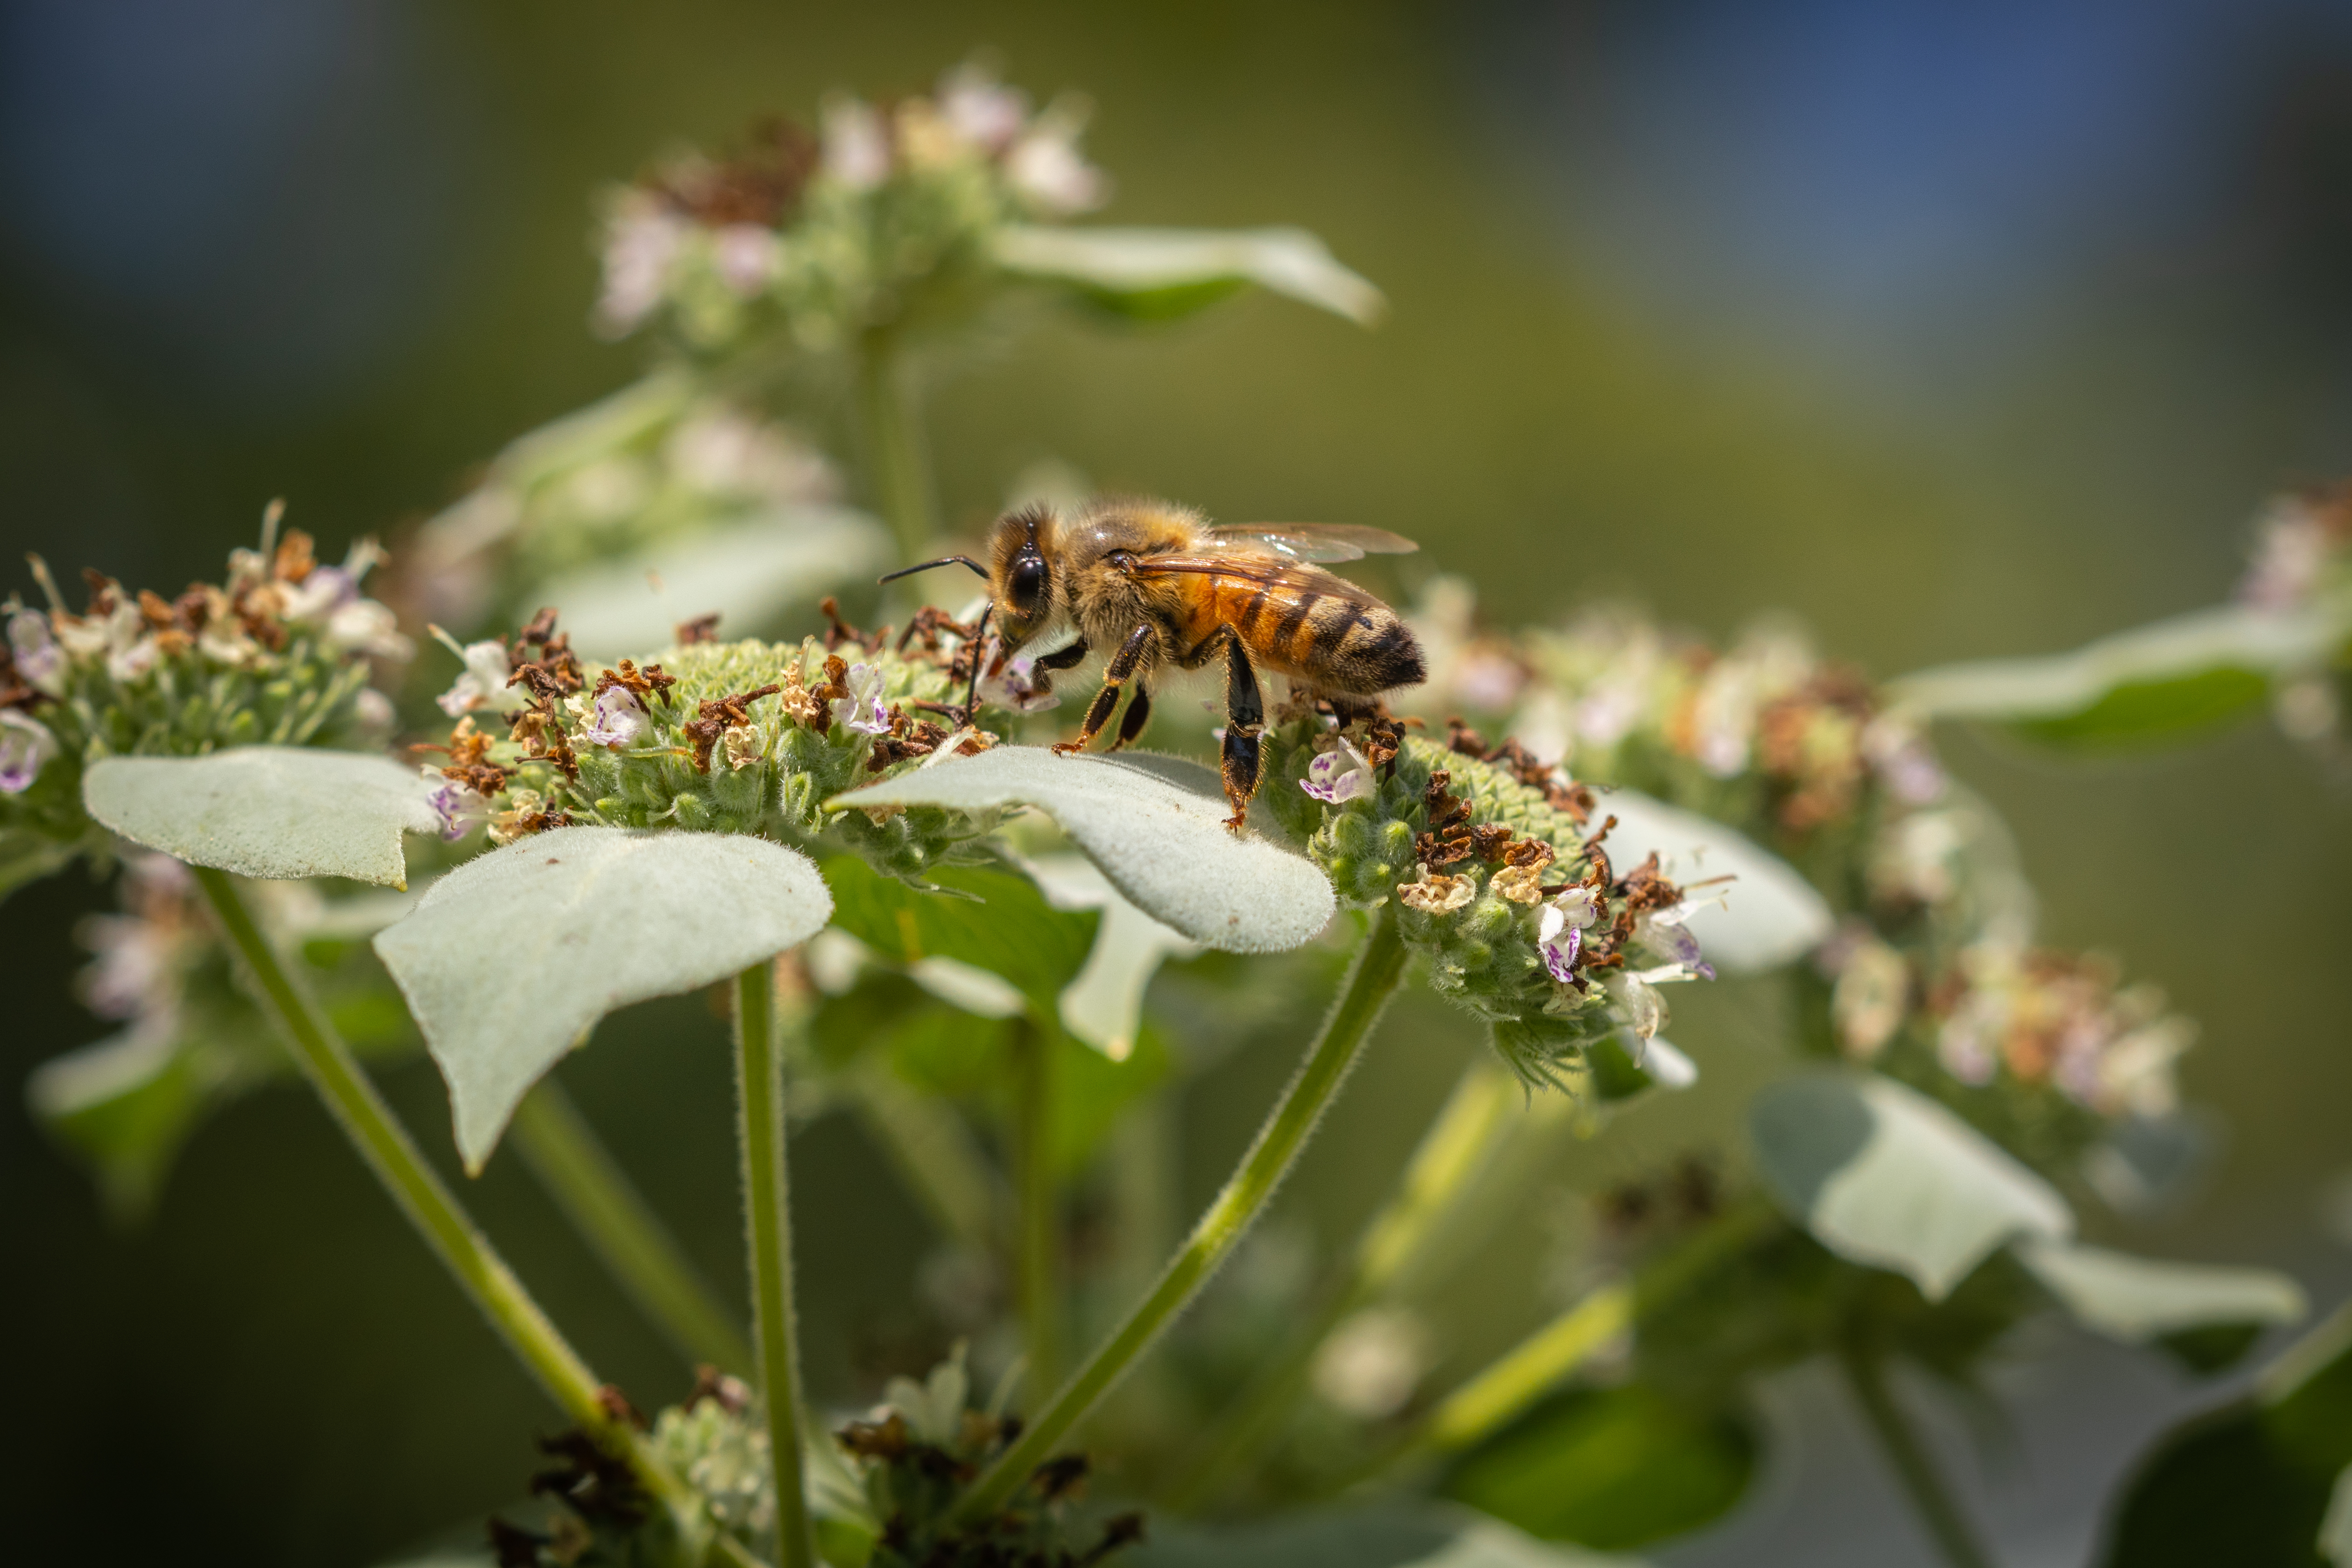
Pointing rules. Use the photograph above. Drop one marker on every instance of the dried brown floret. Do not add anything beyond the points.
(1060, 1477)
(886, 1439)
(715, 718)
(1460, 737)
(928, 624)
(700, 629)
(838, 631)
(294, 562)
(760, 184)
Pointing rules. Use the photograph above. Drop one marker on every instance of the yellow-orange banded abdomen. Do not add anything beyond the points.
(1316, 628)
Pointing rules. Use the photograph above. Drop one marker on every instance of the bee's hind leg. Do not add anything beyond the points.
(1244, 720)
(1115, 674)
(1138, 715)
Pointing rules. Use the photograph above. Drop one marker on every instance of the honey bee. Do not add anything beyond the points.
(1154, 584)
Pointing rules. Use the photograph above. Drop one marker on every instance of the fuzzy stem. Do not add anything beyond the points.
(1378, 965)
(429, 1204)
(891, 447)
(1452, 1151)
(581, 1174)
(1915, 1468)
(767, 1204)
(1038, 1269)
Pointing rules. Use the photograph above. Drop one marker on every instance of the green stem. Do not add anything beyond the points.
(581, 1174)
(1038, 1270)
(890, 443)
(1865, 1373)
(759, 1089)
(1538, 1364)
(1378, 965)
(1451, 1151)
(429, 1204)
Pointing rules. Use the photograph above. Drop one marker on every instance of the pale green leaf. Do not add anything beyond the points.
(1159, 272)
(2173, 676)
(750, 573)
(1766, 916)
(1104, 1006)
(976, 991)
(512, 958)
(1390, 1536)
(1883, 1175)
(276, 813)
(1155, 827)
(2336, 1530)
(2137, 1299)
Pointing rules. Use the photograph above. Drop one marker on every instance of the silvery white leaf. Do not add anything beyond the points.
(2138, 1299)
(1104, 1005)
(975, 990)
(1144, 261)
(1883, 1175)
(271, 812)
(512, 957)
(749, 573)
(1769, 915)
(1156, 830)
(2238, 637)
(1667, 1066)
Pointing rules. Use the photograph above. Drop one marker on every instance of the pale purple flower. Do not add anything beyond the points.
(1044, 167)
(745, 256)
(1559, 930)
(981, 110)
(1016, 683)
(319, 595)
(38, 658)
(486, 675)
(2290, 553)
(1905, 765)
(862, 712)
(26, 744)
(459, 808)
(641, 242)
(366, 627)
(1662, 933)
(1338, 776)
(855, 144)
(617, 719)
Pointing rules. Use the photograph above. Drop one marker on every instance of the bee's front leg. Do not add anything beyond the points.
(1115, 674)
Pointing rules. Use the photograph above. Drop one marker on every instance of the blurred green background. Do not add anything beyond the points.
(1954, 331)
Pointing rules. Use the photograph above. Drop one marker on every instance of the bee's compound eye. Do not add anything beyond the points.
(1028, 584)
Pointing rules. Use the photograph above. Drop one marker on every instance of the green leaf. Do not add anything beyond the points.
(275, 813)
(2140, 687)
(2137, 1299)
(513, 957)
(989, 917)
(1609, 1468)
(1390, 1536)
(2336, 1529)
(750, 572)
(27, 856)
(1884, 1176)
(124, 1106)
(1157, 274)
(1768, 916)
(2252, 1483)
(1154, 826)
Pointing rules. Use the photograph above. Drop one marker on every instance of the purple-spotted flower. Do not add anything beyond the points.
(485, 677)
(26, 744)
(617, 718)
(862, 712)
(38, 658)
(1559, 930)
(1338, 776)
(1662, 933)
(459, 808)
(1015, 683)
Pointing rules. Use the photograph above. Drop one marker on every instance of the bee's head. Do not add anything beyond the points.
(1022, 552)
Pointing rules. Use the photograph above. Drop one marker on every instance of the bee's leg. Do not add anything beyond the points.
(1115, 674)
(1244, 718)
(1138, 714)
(1068, 658)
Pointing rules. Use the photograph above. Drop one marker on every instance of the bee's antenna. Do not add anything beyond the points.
(943, 561)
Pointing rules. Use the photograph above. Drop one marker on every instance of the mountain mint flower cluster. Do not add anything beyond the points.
(1933, 977)
(883, 219)
(277, 654)
(2303, 565)
(1499, 877)
(740, 737)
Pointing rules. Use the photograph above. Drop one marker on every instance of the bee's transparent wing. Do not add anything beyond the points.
(1311, 541)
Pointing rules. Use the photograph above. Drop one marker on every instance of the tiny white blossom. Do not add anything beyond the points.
(366, 627)
(981, 110)
(1016, 683)
(1559, 930)
(746, 257)
(618, 719)
(642, 241)
(855, 144)
(459, 808)
(38, 658)
(1338, 776)
(486, 675)
(26, 744)
(1044, 167)
(862, 710)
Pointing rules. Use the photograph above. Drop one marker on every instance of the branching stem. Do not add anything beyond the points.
(1915, 1468)
(429, 1204)
(1039, 1246)
(586, 1182)
(1378, 965)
